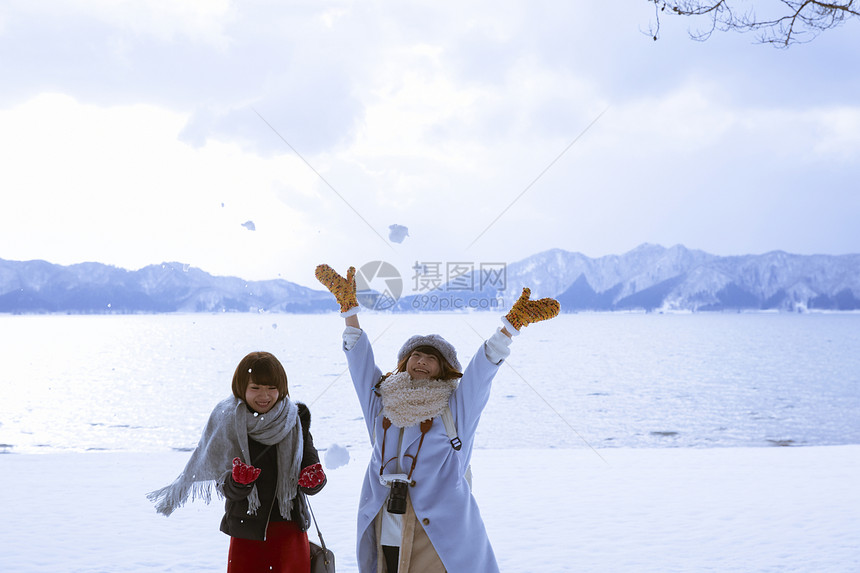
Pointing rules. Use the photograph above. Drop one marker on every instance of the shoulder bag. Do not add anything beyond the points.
(322, 558)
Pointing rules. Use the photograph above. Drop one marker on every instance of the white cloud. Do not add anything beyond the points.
(164, 20)
(126, 125)
(838, 133)
(116, 185)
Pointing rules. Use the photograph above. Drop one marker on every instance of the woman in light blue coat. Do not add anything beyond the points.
(417, 512)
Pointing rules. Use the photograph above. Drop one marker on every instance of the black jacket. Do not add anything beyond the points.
(237, 522)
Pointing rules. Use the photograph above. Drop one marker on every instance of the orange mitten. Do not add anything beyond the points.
(525, 311)
(343, 289)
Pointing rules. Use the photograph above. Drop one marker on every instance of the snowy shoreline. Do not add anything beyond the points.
(624, 510)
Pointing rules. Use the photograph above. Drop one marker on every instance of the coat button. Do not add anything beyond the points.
(425, 521)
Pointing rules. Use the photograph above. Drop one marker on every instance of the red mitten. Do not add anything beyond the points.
(243, 473)
(311, 476)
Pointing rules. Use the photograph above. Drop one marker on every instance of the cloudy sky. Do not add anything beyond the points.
(140, 131)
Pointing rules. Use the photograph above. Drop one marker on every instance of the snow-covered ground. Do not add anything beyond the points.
(634, 510)
(683, 414)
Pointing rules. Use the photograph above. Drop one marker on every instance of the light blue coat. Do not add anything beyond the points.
(441, 497)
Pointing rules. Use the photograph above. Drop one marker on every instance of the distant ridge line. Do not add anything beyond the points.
(649, 278)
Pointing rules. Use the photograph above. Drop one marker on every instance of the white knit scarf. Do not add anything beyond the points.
(226, 437)
(407, 402)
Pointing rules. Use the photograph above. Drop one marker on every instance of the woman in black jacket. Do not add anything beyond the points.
(258, 452)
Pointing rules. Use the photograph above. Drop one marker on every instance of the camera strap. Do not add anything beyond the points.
(386, 423)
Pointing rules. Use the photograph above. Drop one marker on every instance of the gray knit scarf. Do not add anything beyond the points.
(226, 437)
(407, 402)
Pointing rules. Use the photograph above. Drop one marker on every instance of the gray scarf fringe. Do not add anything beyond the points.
(226, 437)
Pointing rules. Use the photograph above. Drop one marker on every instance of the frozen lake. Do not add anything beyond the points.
(147, 383)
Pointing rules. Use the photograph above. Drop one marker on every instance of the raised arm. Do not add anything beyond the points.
(356, 346)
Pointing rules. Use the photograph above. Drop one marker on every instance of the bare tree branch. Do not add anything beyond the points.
(801, 21)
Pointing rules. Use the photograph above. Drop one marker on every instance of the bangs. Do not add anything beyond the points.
(261, 373)
(432, 351)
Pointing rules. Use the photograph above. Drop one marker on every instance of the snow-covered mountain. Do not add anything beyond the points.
(650, 278)
(38, 286)
(655, 278)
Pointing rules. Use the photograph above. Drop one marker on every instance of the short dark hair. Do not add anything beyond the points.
(265, 369)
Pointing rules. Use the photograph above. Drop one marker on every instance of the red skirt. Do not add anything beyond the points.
(285, 550)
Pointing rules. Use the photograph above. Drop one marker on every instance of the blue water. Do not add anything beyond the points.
(148, 382)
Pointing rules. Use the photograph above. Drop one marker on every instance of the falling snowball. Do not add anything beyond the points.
(249, 225)
(397, 233)
(336, 456)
